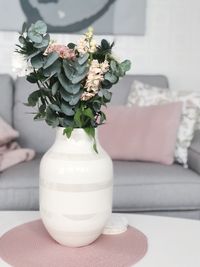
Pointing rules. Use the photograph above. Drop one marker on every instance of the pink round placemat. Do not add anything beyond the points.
(29, 245)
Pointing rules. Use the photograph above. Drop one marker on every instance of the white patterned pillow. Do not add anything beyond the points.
(145, 95)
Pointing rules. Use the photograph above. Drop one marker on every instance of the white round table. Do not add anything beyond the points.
(172, 242)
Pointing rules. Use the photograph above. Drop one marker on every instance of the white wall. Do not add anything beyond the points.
(171, 45)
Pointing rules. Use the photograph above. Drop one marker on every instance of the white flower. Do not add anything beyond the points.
(89, 33)
(86, 96)
(20, 65)
(93, 46)
(94, 78)
(82, 46)
(87, 43)
(104, 66)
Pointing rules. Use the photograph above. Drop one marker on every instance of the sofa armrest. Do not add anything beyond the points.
(194, 153)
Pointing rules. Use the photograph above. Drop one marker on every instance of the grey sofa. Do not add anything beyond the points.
(138, 187)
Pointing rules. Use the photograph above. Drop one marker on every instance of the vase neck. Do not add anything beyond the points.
(79, 141)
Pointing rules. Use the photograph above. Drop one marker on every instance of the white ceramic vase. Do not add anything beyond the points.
(75, 189)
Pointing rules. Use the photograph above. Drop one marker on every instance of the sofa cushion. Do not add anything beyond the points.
(19, 186)
(146, 95)
(150, 186)
(130, 126)
(6, 102)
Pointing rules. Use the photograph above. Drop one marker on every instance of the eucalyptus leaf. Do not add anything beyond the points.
(40, 27)
(106, 84)
(82, 59)
(67, 109)
(78, 78)
(70, 88)
(64, 94)
(55, 107)
(125, 65)
(34, 98)
(22, 40)
(74, 99)
(66, 122)
(106, 94)
(55, 68)
(111, 77)
(44, 43)
(80, 69)
(37, 52)
(34, 36)
(55, 87)
(42, 108)
(69, 70)
(113, 65)
(96, 105)
(70, 98)
(51, 117)
(38, 117)
(37, 62)
(31, 78)
(51, 58)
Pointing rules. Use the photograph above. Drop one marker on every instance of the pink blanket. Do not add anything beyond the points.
(10, 151)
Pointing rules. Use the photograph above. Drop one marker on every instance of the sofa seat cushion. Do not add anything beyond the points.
(152, 187)
(19, 186)
(137, 187)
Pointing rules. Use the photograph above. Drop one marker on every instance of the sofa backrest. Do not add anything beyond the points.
(122, 88)
(38, 135)
(6, 101)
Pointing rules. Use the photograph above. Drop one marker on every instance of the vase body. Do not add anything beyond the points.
(75, 189)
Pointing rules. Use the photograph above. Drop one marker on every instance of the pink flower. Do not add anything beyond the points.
(87, 95)
(63, 51)
(94, 78)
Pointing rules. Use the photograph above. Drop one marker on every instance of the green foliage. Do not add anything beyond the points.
(91, 132)
(71, 45)
(55, 87)
(67, 109)
(75, 71)
(37, 62)
(111, 77)
(36, 31)
(51, 118)
(67, 85)
(68, 131)
(50, 59)
(62, 81)
(83, 59)
(33, 98)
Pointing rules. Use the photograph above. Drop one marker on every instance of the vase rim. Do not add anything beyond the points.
(75, 129)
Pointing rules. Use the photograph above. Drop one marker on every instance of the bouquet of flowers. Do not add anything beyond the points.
(73, 80)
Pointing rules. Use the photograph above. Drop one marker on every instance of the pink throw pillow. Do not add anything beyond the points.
(141, 133)
(7, 133)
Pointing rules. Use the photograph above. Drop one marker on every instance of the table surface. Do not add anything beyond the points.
(172, 242)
